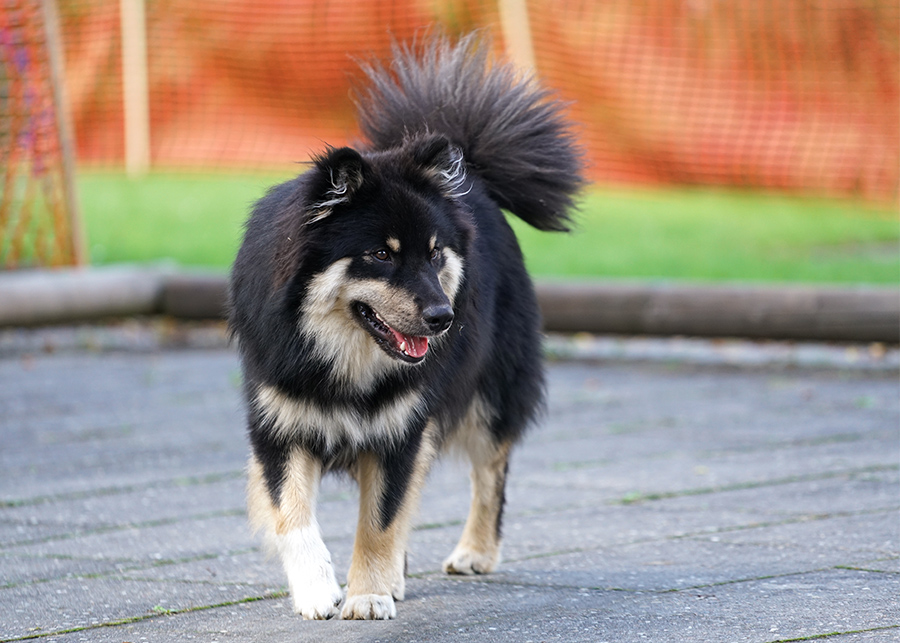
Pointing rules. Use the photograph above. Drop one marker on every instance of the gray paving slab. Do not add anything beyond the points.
(654, 502)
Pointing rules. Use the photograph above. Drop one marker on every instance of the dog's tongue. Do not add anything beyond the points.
(410, 344)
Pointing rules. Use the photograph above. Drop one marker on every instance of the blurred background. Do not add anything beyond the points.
(754, 140)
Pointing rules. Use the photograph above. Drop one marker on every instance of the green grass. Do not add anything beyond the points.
(192, 219)
(195, 220)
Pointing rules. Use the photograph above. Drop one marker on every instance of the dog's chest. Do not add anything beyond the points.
(338, 423)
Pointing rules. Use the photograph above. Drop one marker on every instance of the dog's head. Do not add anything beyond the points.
(375, 246)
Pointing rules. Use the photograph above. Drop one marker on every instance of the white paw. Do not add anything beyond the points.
(314, 589)
(369, 607)
(466, 561)
(317, 603)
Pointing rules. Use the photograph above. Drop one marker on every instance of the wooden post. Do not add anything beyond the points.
(135, 86)
(64, 130)
(517, 32)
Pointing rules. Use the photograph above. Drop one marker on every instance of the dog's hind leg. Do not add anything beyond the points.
(389, 487)
(478, 550)
(291, 529)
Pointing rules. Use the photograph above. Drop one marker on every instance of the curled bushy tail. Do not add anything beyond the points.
(511, 131)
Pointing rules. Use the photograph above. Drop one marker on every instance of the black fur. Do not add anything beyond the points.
(510, 130)
(436, 102)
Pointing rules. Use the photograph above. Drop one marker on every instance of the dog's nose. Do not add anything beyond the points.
(438, 317)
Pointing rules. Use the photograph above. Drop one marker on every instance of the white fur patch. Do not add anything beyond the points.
(451, 275)
(331, 425)
(453, 177)
(307, 562)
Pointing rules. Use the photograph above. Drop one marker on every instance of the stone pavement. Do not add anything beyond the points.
(663, 501)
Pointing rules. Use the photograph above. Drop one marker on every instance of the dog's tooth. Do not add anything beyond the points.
(403, 347)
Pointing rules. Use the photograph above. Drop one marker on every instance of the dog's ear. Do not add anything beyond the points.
(337, 175)
(442, 163)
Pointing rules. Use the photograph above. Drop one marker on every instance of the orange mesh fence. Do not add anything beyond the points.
(797, 95)
(783, 94)
(36, 218)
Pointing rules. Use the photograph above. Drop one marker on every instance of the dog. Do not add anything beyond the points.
(383, 314)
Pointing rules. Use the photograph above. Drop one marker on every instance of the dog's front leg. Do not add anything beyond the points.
(289, 521)
(389, 492)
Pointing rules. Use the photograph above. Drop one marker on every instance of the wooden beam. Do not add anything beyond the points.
(64, 130)
(517, 32)
(135, 86)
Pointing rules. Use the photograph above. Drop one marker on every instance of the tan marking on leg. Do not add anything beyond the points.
(478, 550)
(291, 529)
(260, 509)
(376, 575)
(297, 506)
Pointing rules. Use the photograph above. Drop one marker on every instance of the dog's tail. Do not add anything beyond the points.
(512, 133)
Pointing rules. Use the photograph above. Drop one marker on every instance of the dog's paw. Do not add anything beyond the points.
(314, 588)
(369, 607)
(468, 562)
(318, 599)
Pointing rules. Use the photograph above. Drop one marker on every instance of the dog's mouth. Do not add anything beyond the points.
(408, 348)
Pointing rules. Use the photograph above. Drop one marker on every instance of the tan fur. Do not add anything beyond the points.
(478, 550)
(298, 492)
(376, 575)
(260, 509)
(393, 244)
(297, 506)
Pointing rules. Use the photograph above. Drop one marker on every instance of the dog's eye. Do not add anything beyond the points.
(382, 255)
(435, 254)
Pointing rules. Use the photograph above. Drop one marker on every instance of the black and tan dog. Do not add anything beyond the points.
(383, 314)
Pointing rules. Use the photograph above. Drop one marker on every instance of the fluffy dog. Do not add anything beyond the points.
(383, 313)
